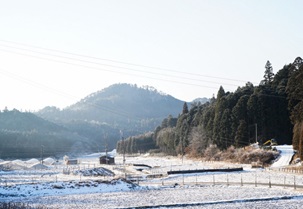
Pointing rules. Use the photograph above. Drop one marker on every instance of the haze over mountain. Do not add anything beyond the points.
(118, 103)
(94, 123)
(25, 135)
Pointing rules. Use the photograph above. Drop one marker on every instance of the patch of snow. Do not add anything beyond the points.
(17, 192)
(49, 161)
(94, 172)
(32, 161)
(17, 162)
(9, 166)
(38, 166)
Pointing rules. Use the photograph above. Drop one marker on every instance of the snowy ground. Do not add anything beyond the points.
(251, 188)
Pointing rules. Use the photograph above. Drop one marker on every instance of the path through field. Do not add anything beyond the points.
(285, 157)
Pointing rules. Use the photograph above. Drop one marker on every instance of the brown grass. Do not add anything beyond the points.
(240, 155)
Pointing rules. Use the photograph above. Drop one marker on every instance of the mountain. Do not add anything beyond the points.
(118, 110)
(93, 124)
(25, 135)
(119, 102)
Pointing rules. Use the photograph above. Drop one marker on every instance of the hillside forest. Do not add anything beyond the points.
(271, 110)
(93, 124)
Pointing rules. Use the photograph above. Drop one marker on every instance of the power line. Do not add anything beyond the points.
(112, 71)
(33, 83)
(120, 62)
(114, 66)
(125, 73)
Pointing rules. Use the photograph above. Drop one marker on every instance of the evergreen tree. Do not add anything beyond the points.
(230, 118)
(295, 105)
(225, 130)
(241, 137)
(268, 74)
(298, 62)
(185, 108)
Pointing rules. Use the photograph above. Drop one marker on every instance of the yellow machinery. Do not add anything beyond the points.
(269, 143)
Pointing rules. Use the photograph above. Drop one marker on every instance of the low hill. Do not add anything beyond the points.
(24, 135)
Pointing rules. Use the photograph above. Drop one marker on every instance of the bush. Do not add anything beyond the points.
(258, 155)
(240, 155)
(212, 153)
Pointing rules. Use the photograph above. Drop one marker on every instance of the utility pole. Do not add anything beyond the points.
(123, 150)
(182, 149)
(256, 129)
(106, 146)
(123, 144)
(42, 154)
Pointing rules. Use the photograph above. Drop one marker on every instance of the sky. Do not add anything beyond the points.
(56, 52)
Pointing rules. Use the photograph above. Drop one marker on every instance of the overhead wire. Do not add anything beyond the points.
(125, 73)
(112, 71)
(33, 83)
(97, 68)
(108, 65)
(121, 62)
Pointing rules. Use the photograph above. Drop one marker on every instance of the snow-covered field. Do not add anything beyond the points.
(59, 186)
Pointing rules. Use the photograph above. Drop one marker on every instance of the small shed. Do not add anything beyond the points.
(107, 159)
(68, 161)
(71, 162)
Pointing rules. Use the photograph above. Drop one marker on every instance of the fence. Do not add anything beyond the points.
(295, 182)
(298, 170)
(158, 176)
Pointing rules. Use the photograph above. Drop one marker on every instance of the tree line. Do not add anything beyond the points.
(272, 109)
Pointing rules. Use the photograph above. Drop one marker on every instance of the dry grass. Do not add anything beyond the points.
(240, 155)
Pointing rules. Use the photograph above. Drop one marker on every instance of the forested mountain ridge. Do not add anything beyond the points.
(24, 135)
(129, 101)
(93, 124)
(119, 103)
(273, 109)
(118, 110)
(25, 121)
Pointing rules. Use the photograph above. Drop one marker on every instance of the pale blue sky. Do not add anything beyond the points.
(196, 45)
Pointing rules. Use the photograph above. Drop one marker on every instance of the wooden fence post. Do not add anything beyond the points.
(196, 180)
(241, 181)
(256, 180)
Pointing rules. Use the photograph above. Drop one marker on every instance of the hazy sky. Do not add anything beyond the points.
(55, 52)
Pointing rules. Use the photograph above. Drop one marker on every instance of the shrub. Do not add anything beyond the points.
(240, 155)
(212, 153)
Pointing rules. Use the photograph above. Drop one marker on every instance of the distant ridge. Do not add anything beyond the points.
(120, 110)
(25, 135)
(93, 124)
(118, 102)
